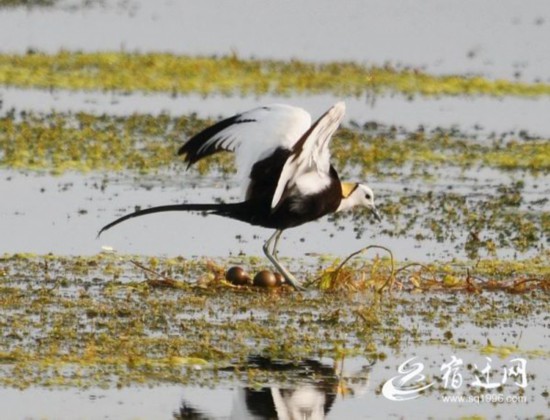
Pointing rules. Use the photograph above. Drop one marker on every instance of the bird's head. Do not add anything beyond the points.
(355, 194)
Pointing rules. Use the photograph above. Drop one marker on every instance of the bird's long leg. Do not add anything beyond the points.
(277, 236)
(269, 254)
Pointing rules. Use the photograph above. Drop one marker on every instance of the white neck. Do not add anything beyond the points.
(348, 203)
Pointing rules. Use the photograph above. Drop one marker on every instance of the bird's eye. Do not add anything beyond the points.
(367, 196)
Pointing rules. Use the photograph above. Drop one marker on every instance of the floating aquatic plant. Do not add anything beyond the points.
(232, 75)
(142, 142)
(109, 320)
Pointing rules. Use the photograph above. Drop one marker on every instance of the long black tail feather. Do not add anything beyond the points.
(232, 210)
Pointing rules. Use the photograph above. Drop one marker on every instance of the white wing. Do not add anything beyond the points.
(252, 135)
(311, 152)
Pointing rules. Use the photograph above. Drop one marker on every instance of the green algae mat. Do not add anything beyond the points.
(110, 320)
(82, 142)
(230, 75)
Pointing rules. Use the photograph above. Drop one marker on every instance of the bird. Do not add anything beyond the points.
(283, 160)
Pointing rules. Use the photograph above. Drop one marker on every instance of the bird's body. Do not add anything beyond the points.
(296, 209)
(284, 164)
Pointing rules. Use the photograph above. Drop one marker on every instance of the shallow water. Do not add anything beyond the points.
(74, 206)
(497, 38)
(479, 116)
(41, 213)
(353, 392)
(62, 215)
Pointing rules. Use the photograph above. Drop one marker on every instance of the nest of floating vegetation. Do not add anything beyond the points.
(380, 274)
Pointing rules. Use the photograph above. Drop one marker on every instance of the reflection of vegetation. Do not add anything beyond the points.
(82, 142)
(88, 321)
(231, 75)
(27, 3)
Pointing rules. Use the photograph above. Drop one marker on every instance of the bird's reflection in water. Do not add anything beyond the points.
(311, 395)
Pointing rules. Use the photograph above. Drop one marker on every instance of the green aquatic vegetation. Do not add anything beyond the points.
(485, 225)
(141, 142)
(384, 274)
(69, 321)
(532, 154)
(231, 75)
(83, 142)
(376, 150)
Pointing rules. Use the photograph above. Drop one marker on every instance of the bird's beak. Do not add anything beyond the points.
(376, 214)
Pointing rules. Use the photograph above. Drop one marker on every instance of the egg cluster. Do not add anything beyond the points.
(264, 278)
